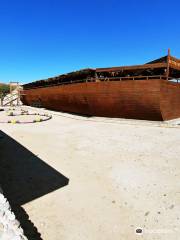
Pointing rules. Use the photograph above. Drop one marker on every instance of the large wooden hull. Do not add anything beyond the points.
(146, 99)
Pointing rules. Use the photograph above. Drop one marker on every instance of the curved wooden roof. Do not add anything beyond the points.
(157, 63)
(167, 66)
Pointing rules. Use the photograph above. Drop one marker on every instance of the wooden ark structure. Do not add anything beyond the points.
(150, 91)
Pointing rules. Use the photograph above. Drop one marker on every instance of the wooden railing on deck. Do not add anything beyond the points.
(99, 79)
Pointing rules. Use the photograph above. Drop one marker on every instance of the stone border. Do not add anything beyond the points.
(38, 119)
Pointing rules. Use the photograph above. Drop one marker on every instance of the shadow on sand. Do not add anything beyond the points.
(25, 177)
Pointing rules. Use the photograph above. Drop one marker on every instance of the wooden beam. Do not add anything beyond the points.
(135, 67)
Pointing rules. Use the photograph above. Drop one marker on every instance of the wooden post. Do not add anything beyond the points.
(167, 71)
(11, 94)
(18, 99)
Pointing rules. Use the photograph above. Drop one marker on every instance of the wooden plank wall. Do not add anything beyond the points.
(170, 100)
(125, 99)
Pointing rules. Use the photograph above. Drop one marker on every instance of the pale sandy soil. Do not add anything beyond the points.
(123, 175)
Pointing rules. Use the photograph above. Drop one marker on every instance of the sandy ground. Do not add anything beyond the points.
(123, 175)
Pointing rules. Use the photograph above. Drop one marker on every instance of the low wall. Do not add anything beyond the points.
(9, 226)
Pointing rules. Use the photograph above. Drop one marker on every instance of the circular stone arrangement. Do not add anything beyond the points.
(22, 116)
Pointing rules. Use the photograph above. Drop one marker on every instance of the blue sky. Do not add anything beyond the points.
(44, 38)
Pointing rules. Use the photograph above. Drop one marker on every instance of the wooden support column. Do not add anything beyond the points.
(11, 94)
(167, 70)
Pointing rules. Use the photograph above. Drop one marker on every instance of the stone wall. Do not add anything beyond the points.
(9, 227)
